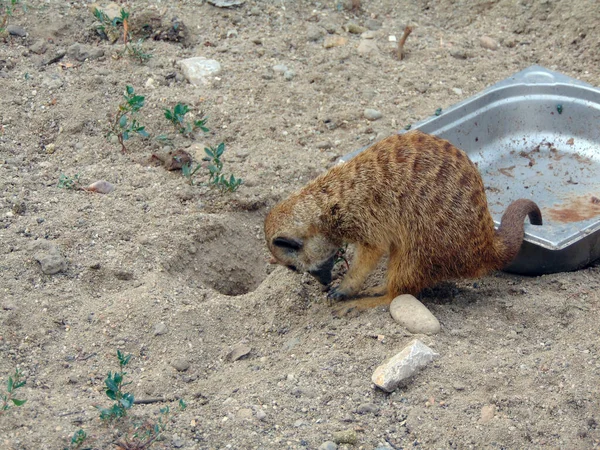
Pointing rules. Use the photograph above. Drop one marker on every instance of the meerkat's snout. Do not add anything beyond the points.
(323, 272)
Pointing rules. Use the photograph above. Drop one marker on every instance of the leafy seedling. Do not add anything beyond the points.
(114, 383)
(145, 434)
(189, 173)
(77, 441)
(67, 182)
(119, 26)
(215, 167)
(177, 117)
(136, 51)
(8, 398)
(125, 122)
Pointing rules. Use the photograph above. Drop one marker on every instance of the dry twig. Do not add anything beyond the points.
(400, 51)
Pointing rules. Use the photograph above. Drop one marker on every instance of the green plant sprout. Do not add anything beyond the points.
(111, 30)
(189, 173)
(125, 122)
(12, 384)
(67, 182)
(177, 118)
(114, 390)
(215, 167)
(145, 434)
(77, 441)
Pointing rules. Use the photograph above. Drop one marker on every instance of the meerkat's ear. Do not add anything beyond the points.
(289, 243)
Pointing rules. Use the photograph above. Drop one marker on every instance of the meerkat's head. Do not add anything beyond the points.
(296, 242)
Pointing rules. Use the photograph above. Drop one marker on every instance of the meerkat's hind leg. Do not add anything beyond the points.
(364, 262)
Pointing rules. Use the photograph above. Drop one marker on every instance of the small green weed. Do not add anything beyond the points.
(145, 434)
(77, 441)
(136, 51)
(114, 390)
(13, 383)
(67, 182)
(189, 173)
(125, 122)
(119, 27)
(215, 167)
(177, 117)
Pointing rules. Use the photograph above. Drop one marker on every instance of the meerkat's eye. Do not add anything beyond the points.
(292, 268)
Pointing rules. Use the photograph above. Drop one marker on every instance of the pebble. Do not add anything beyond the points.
(367, 47)
(232, 33)
(52, 82)
(372, 114)
(49, 257)
(261, 415)
(300, 423)
(81, 52)
(323, 145)
(195, 70)
(345, 437)
(16, 30)
(289, 75)
(353, 28)
(101, 187)
(413, 315)
(181, 365)
(367, 408)
(487, 414)
(280, 68)
(226, 3)
(459, 53)
(457, 91)
(314, 33)
(373, 24)
(39, 47)
(177, 442)
(334, 41)
(368, 35)
(238, 352)
(244, 413)
(328, 445)
(402, 366)
(488, 43)
(160, 329)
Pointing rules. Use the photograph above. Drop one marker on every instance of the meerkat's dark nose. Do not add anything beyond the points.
(323, 272)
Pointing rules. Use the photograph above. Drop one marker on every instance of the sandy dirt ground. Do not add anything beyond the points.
(177, 274)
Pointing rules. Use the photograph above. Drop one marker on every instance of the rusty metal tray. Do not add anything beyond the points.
(535, 135)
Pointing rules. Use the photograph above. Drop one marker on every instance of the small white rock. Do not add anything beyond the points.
(392, 38)
(195, 70)
(280, 68)
(404, 365)
(367, 47)
(413, 315)
(488, 43)
(457, 91)
(372, 114)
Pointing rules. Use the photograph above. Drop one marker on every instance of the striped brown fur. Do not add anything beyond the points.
(414, 197)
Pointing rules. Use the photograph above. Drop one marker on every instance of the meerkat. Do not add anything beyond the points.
(416, 198)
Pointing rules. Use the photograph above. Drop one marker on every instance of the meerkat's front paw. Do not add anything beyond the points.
(336, 294)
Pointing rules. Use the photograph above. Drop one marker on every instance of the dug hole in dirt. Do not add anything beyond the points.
(177, 275)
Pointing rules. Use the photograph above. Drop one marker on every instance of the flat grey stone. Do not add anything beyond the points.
(181, 365)
(81, 52)
(160, 329)
(16, 30)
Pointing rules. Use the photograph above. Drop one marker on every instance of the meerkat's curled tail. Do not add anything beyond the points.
(511, 232)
